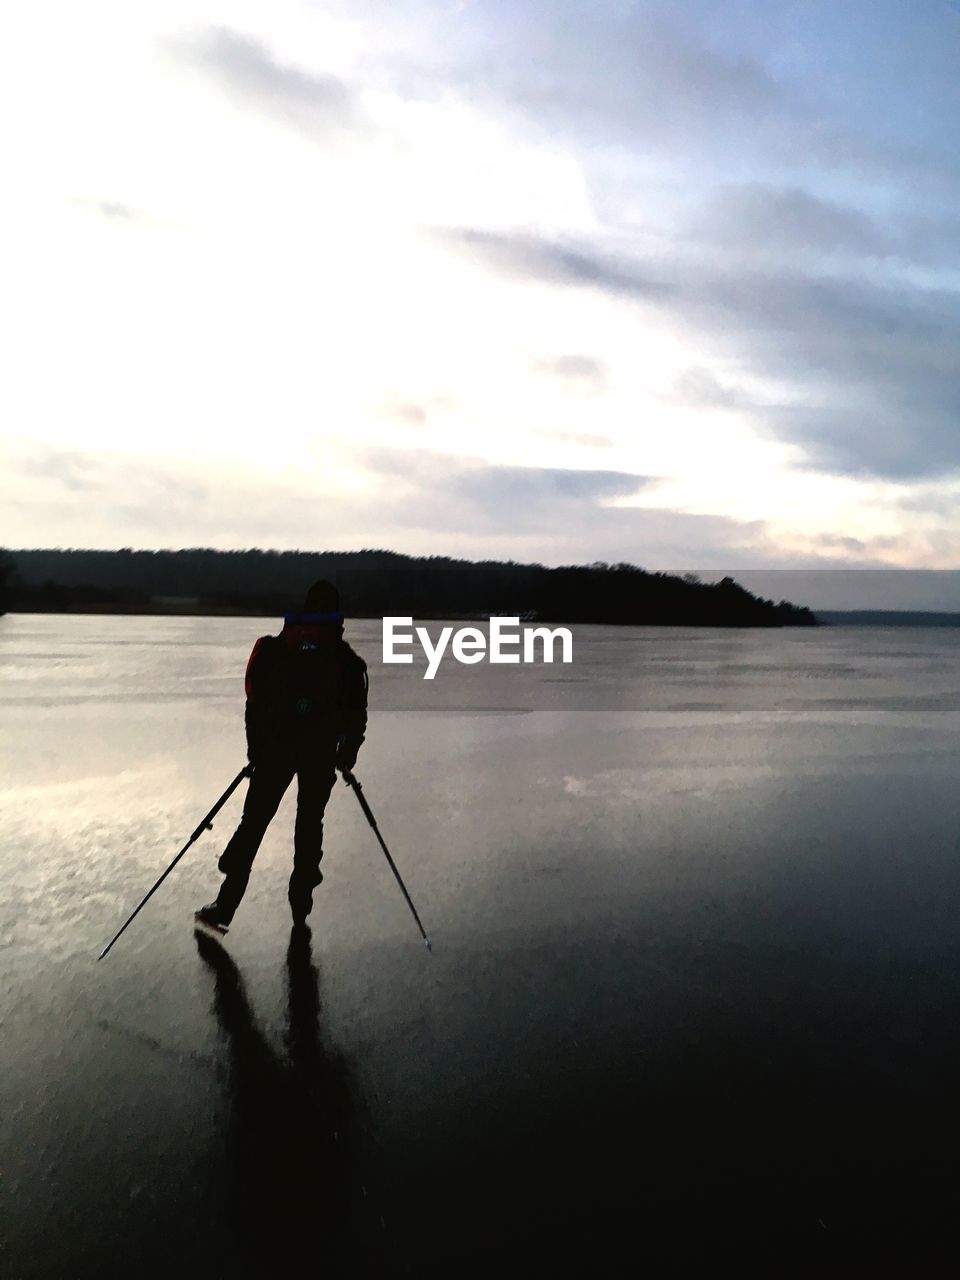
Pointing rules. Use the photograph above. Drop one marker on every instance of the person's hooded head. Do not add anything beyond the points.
(322, 597)
(320, 621)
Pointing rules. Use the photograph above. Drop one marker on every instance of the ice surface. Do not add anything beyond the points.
(695, 981)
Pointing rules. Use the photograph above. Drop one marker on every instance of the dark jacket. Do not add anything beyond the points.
(306, 687)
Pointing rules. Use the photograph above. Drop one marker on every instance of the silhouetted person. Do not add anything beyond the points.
(294, 1194)
(306, 714)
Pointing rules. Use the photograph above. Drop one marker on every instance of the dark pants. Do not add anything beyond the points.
(313, 765)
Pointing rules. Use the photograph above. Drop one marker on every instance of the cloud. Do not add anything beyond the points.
(411, 414)
(66, 468)
(753, 220)
(116, 209)
(551, 261)
(622, 82)
(841, 542)
(931, 238)
(864, 363)
(536, 487)
(710, 92)
(322, 104)
(612, 72)
(585, 439)
(415, 411)
(576, 372)
(871, 365)
(698, 388)
(126, 484)
(758, 217)
(928, 501)
(457, 506)
(490, 495)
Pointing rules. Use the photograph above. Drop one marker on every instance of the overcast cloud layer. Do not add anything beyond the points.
(669, 284)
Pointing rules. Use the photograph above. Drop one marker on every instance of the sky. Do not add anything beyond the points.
(677, 285)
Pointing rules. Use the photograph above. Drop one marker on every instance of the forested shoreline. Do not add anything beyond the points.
(373, 584)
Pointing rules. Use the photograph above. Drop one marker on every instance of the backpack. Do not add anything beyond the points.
(307, 674)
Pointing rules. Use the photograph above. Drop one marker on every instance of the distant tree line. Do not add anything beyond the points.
(374, 584)
(6, 575)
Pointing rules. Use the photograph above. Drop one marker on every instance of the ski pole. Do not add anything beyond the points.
(205, 825)
(351, 781)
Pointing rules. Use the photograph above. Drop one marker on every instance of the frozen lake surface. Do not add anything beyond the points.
(695, 990)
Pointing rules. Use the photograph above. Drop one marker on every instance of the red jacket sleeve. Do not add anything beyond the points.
(257, 662)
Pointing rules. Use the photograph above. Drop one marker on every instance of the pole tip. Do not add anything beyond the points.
(428, 944)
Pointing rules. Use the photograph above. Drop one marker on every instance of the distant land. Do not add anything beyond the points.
(373, 584)
(886, 618)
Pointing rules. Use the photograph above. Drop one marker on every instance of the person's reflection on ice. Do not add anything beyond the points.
(290, 1120)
